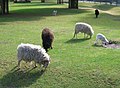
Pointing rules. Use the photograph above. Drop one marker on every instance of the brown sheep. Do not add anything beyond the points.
(47, 39)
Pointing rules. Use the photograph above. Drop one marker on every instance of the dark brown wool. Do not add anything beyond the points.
(47, 39)
(96, 13)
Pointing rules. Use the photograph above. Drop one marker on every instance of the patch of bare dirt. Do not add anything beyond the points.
(113, 44)
(108, 12)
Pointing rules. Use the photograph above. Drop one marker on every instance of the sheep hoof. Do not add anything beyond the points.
(17, 69)
(95, 44)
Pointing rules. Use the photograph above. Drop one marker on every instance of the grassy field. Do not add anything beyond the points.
(75, 63)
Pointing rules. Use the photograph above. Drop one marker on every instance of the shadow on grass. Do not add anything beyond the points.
(33, 4)
(35, 14)
(77, 40)
(20, 79)
(42, 11)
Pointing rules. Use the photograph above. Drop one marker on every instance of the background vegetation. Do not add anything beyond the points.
(75, 63)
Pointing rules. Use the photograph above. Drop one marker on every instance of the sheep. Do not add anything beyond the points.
(102, 38)
(47, 38)
(54, 13)
(96, 13)
(83, 28)
(29, 52)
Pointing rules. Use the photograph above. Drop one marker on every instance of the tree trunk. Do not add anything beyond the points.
(73, 4)
(59, 1)
(21, 1)
(4, 7)
(42, 1)
(1, 5)
(15, 1)
(7, 7)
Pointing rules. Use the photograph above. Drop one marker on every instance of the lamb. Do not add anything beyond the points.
(47, 39)
(96, 13)
(83, 28)
(102, 38)
(54, 13)
(30, 52)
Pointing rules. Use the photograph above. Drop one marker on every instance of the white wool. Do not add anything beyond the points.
(54, 13)
(30, 52)
(102, 38)
(83, 28)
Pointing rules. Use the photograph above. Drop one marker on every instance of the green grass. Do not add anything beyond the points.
(74, 63)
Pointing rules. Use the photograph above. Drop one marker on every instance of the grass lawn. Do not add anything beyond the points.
(75, 63)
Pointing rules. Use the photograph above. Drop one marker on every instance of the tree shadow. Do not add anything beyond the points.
(77, 40)
(36, 12)
(33, 4)
(19, 79)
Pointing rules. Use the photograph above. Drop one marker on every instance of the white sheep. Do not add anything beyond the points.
(102, 38)
(83, 28)
(30, 52)
(54, 13)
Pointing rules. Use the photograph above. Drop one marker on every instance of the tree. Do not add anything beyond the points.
(4, 7)
(73, 4)
(7, 6)
(22, 1)
(42, 1)
(59, 1)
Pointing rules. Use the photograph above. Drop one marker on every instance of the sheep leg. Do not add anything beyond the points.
(96, 42)
(51, 47)
(35, 65)
(46, 50)
(96, 16)
(74, 35)
(84, 35)
(19, 63)
(90, 36)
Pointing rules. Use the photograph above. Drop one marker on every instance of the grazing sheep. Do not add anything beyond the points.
(54, 13)
(47, 39)
(83, 28)
(30, 52)
(102, 38)
(96, 13)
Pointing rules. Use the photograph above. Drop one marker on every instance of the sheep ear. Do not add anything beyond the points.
(44, 57)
